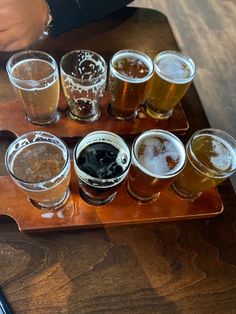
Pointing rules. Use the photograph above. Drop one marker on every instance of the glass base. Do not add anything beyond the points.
(139, 198)
(83, 118)
(51, 206)
(158, 114)
(121, 117)
(38, 122)
(96, 202)
(185, 195)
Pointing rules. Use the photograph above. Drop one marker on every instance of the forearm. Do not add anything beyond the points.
(68, 14)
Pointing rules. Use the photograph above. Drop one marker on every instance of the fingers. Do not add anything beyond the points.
(21, 23)
(10, 40)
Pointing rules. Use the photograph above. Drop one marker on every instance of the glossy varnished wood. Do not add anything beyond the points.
(171, 267)
(69, 129)
(123, 210)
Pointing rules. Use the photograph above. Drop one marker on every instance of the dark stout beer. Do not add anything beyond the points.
(101, 162)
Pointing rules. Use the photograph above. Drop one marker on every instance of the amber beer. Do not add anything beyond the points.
(211, 159)
(39, 164)
(130, 72)
(36, 83)
(173, 73)
(157, 157)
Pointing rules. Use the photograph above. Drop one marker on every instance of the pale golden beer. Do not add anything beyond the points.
(173, 73)
(34, 77)
(39, 163)
(211, 159)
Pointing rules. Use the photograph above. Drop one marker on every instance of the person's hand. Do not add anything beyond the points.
(21, 23)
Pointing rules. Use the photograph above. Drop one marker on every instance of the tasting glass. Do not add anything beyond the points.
(39, 163)
(35, 79)
(83, 76)
(94, 188)
(157, 157)
(211, 159)
(130, 71)
(173, 74)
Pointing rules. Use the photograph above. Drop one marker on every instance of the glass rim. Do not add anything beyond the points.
(173, 80)
(79, 79)
(125, 78)
(203, 167)
(146, 171)
(67, 161)
(25, 52)
(89, 177)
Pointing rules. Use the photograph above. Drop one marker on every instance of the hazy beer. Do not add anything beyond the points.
(130, 71)
(39, 163)
(157, 157)
(173, 73)
(34, 76)
(101, 161)
(211, 158)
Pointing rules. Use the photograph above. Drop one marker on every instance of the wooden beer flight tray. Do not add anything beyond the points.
(76, 213)
(67, 128)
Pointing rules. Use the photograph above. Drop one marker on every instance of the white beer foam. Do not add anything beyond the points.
(34, 83)
(155, 164)
(174, 68)
(132, 56)
(223, 155)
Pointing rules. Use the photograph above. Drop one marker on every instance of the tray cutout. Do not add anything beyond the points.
(122, 210)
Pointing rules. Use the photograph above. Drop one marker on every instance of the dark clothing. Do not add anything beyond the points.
(69, 14)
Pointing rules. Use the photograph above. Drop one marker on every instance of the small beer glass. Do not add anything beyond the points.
(158, 156)
(211, 159)
(173, 74)
(83, 76)
(130, 71)
(101, 161)
(39, 163)
(35, 79)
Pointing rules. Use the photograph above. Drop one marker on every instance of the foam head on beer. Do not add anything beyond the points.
(130, 71)
(157, 157)
(39, 163)
(173, 73)
(34, 76)
(211, 159)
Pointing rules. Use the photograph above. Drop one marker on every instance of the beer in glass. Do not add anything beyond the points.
(34, 76)
(130, 71)
(157, 157)
(173, 73)
(83, 76)
(101, 161)
(39, 163)
(211, 159)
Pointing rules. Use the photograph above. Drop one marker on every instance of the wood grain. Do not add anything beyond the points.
(173, 267)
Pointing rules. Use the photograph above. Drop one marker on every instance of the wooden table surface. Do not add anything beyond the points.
(172, 267)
